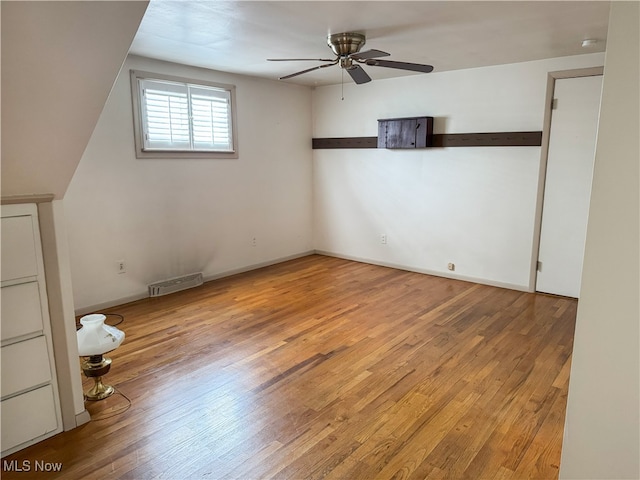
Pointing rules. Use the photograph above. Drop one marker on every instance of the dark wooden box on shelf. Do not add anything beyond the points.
(413, 132)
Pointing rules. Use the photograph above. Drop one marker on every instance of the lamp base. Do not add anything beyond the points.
(100, 391)
(95, 367)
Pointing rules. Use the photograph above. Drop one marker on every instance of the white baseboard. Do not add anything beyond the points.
(451, 275)
(255, 266)
(112, 303)
(82, 418)
(207, 278)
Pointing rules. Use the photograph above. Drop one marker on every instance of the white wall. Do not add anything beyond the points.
(474, 207)
(167, 218)
(59, 60)
(602, 423)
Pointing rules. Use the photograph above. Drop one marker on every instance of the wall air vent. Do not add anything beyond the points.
(175, 285)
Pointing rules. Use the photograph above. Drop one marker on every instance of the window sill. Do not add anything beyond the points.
(186, 154)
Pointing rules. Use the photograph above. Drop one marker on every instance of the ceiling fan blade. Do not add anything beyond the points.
(358, 74)
(369, 54)
(414, 67)
(309, 70)
(301, 59)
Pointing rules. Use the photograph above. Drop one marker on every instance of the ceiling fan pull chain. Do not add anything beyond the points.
(342, 82)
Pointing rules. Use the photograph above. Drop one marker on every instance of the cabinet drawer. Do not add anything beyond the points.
(21, 310)
(28, 416)
(25, 365)
(18, 248)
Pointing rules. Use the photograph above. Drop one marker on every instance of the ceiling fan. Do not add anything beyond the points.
(346, 47)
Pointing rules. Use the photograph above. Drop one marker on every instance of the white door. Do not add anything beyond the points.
(572, 139)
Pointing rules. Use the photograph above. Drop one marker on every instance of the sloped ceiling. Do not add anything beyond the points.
(59, 62)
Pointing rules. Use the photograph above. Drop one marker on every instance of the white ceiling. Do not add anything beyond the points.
(238, 36)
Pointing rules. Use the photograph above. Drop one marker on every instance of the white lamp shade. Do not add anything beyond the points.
(96, 338)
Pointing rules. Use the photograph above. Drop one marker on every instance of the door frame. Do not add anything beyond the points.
(544, 156)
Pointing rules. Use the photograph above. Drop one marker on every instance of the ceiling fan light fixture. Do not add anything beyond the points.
(344, 44)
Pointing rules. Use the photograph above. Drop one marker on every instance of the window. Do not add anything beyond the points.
(176, 117)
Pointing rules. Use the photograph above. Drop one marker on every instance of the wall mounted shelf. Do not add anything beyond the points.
(413, 132)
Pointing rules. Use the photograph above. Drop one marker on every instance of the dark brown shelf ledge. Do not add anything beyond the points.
(347, 142)
(496, 139)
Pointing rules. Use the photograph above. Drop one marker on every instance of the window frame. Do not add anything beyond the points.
(141, 152)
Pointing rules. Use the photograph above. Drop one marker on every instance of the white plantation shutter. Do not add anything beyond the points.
(185, 117)
(211, 118)
(165, 114)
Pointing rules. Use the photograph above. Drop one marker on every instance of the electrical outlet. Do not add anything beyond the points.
(451, 266)
(383, 238)
(254, 241)
(122, 268)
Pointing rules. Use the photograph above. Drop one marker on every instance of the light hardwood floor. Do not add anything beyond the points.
(325, 368)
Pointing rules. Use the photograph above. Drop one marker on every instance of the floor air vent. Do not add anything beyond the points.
(175, 285)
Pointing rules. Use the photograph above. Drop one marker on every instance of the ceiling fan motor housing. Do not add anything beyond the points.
(344, 44)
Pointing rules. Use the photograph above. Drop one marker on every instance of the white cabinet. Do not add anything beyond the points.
(21, 310)
(22, 366)
(25, 417)
(30, 406)
(19, 258)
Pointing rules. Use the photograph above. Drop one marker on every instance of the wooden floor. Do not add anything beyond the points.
(325, 368)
